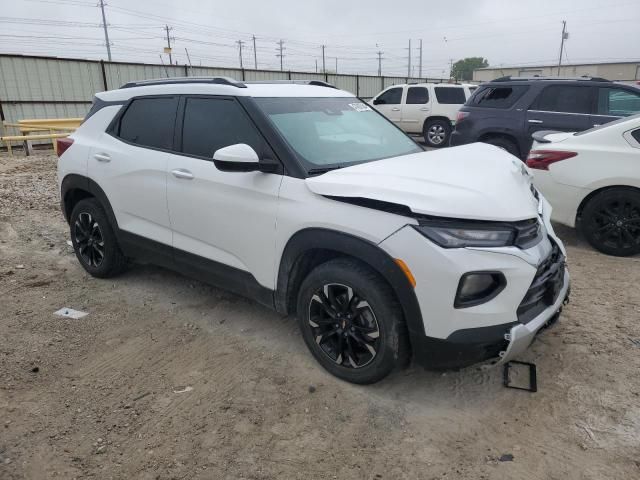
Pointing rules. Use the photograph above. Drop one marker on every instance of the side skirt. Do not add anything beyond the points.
(208, 271)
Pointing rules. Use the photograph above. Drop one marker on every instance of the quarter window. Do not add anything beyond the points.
(450, 95)
(618, 102)
(393, 96)
(149, 122)
(566, 99)
(498, 97)
(417, 95)
(636, 134)
(213, 123)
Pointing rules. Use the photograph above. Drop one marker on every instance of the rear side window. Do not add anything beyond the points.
(417, 95)
(565, 98)
(636, 134)
(450, 95)
(393, 96)
(149, 122)
(212, 123)
(498, 97)
(618, 102)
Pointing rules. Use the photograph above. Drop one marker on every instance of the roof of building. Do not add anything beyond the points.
(505, 67)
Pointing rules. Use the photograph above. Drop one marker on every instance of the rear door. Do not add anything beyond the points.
(565, 108)
(130, 165)
(415, 109)
(389, 104)
(614, 103)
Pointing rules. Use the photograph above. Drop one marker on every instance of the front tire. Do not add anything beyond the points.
(437, 133)
(94, 241)
(351, 321)
(611, 222)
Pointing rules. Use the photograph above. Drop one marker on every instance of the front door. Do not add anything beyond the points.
(226, 217)
(389, 103)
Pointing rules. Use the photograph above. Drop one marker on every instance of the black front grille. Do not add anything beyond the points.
(545, 288)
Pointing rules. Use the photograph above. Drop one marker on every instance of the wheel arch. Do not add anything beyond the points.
(596, 192)
(433, 118)
(310, 247)
(78, 187)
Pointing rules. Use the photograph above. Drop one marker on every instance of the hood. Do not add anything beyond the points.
(476, 181)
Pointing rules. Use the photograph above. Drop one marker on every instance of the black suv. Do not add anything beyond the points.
(507, 111)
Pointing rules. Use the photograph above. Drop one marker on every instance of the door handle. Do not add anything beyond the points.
(424, 109)
(102, 157)
(596, 124)
(182, 173)
(395, 109)
(533, 120)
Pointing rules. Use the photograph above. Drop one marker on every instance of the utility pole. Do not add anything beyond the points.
(420, 67)
(255, 54)
(280, 54)
(316, 65)
(565, 35)
(166, 27)
(240, 43)
(379, 63)
(189, 59)
(106, 32)
(450, 68)
(336, 65)
(409, 59)
(324, 70)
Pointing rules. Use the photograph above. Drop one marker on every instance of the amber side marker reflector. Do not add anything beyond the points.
(406, 271)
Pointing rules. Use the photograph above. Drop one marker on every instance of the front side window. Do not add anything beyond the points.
(211, 123)
(393, 96)
(497, 97)
(450, 95)
(417, 95)
(565, 99)
(149, 122)
(335, 131)
(618, 102)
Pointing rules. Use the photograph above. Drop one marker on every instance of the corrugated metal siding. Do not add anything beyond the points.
(388, 81)
(370, 86)
(118, 74)
(307, 76)
(344, 82)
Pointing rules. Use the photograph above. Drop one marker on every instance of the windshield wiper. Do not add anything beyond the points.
(320, 171)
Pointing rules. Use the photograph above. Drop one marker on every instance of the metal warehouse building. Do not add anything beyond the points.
(628, 72)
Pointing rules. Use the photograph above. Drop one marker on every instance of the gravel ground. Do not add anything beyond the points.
(168, 378)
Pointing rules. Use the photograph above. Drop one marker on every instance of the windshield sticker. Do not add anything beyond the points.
(360, 107)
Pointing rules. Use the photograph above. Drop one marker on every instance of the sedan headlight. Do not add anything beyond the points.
(459, 236)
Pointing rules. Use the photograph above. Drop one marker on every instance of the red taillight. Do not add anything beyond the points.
(62, 144)
(461, 116)
(541, 159)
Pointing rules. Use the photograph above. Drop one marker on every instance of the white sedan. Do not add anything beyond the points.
(592, 180)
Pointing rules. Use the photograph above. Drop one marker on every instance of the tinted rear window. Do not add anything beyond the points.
(565, 98)
(149, 122)
(450, 95)
(498, 97)
(636, 134)
(417, 95)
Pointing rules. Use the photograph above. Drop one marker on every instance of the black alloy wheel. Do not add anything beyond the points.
(611, 222)
(89, 239)
(344, 326)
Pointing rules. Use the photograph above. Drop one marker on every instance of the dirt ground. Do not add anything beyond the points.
(168, 378)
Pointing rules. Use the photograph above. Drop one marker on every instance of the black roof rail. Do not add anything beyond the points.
(584, 78)
(180, 80)
(317, 83)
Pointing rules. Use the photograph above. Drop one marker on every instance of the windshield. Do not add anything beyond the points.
(334, 132)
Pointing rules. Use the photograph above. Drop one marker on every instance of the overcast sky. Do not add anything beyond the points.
(506, 32)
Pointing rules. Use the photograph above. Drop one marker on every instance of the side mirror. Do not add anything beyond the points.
(376, 101)
(237, 158)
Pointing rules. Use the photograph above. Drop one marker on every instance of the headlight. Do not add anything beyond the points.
(467, 236)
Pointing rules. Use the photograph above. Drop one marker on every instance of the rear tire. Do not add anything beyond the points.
(505, 144)
(94, 240)
(437, 133)
(611, 222)
(352, 322)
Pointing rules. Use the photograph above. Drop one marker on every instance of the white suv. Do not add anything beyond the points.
(428, 109)
(303, 198)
